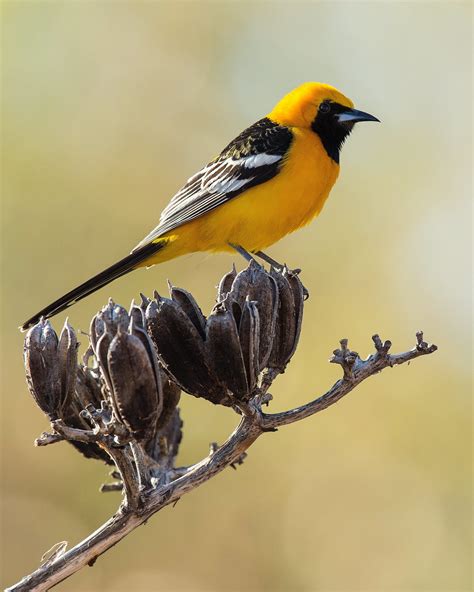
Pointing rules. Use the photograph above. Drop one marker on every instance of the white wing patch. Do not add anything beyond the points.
(257, 160)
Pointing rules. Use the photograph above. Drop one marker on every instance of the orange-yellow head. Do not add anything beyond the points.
(323, 109)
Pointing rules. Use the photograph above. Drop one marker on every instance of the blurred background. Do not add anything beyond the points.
(108, 107)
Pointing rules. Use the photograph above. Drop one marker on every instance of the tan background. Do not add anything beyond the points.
(107, 108)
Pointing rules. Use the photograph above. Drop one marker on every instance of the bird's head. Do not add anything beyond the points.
(323, 109)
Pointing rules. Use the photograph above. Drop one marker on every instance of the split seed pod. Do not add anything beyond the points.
(225, 353)
(182, 351)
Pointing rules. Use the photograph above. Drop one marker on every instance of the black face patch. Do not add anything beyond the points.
(330, 131)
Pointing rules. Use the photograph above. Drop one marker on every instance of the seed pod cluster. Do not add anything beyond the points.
(143, 397)
(255, 325)
(140, 360)
(125, 371)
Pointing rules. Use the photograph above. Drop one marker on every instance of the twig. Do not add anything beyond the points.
(355, 371)
(137, 509)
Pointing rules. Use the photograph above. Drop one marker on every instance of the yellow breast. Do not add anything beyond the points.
(267, 212)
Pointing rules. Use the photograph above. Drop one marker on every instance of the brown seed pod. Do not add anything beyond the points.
(256, 284)
(134, 384)
(115, 316)
(224, 352)
(225, 285)
(285, 325)
(187, 303)
(182, 351)
(101, 351)
(67, 363)
(167, 437)
(88, 387)
(299, 297)
(42, 368)
(249, 336)
(152, 356)
(137, 315)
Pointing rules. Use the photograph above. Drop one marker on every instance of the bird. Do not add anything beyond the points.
(272, 179)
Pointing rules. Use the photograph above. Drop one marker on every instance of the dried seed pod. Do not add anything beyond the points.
(115, 316)
(187, 303)
(88, 387)
(166, 439)
(145, 301)
(67, 363)
(256, 284)
(249, 336)
(96, 330)
(143, 336)
(182, 352)
(42, 368)
(285, 324)
(299, 297)
(137, 315)
(101, 351)
(225, 285)
(171, 397)
(225, 354)
(110, 316)
(134, 384)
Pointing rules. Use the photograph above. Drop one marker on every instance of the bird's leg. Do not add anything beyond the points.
(268, 259)
(279, 267)
(245, 254)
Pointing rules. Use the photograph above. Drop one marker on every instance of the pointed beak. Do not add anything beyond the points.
(353, 116)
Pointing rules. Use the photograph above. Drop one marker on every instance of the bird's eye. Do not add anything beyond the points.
(325, 107)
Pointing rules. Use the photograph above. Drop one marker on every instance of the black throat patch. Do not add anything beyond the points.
(331, 133)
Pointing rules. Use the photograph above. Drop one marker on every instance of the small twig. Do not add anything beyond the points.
(118, 454)
(133, 500)
(107, 487)
(47, 438)
(143, 474)
(355, 371)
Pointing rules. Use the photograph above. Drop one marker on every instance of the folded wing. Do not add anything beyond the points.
(254, 157)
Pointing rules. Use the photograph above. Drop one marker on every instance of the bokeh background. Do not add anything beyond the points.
(107, 108)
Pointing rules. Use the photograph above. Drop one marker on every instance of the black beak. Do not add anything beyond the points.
(353, 116)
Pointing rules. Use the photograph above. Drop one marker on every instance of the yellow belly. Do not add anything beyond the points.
(265, 213)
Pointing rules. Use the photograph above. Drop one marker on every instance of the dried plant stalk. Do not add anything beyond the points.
(121, 403)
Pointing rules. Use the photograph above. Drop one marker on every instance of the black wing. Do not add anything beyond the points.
(254, 157)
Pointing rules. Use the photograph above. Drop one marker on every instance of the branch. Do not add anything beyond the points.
(355, 371)
(253, 424)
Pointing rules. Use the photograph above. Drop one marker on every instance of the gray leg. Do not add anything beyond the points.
(268, 259)
(279, 267)
(245, 254)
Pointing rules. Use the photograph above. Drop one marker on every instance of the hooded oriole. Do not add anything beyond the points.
(270, 180)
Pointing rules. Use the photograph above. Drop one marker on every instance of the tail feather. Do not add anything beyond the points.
(98, 281)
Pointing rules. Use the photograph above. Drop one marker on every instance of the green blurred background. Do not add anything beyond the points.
(107, 108)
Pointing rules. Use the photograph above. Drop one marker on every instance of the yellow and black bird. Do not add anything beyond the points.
(270, 180)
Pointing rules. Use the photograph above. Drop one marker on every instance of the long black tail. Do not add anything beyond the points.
(98, 281)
